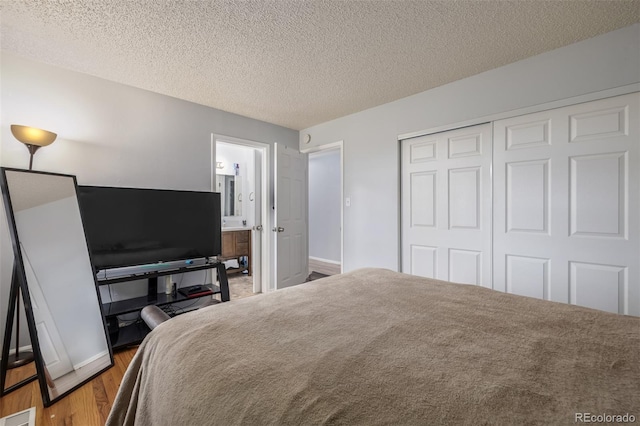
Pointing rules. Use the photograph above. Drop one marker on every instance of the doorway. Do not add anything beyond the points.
(325, 210)
(239, 171)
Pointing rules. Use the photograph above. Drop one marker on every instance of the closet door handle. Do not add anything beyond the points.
(251, 197)
(278, 229)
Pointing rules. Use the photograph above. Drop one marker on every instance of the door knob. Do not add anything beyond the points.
(278, 229)
(257, 228)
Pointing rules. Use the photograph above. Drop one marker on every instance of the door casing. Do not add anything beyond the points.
(260, 251)
(335, 145)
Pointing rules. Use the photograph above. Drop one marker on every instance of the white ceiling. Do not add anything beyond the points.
(291, 62)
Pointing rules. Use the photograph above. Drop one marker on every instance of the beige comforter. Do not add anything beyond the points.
(375, 347)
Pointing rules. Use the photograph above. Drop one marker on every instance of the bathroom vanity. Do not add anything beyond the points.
(236, 242)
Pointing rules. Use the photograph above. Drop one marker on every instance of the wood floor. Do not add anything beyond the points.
(87, 406)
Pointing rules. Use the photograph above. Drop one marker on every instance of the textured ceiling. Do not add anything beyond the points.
(296, 63)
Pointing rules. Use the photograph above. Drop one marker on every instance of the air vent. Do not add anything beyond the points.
(22, 418)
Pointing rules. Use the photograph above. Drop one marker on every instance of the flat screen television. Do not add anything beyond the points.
(130, 226)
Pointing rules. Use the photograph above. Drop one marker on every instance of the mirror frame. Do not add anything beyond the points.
(20, 276)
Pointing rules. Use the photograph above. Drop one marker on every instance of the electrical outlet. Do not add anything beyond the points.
(347, 202)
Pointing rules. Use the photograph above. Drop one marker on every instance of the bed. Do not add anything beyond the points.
(376, 347)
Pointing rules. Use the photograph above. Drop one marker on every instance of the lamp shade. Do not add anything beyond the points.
(33, 136)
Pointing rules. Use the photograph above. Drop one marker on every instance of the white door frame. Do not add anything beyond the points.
(335, 145)
(593, 96)
(265, 241)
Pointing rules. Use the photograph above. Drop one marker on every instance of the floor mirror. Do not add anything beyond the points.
(54, 274)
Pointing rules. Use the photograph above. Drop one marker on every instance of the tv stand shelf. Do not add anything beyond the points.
(155, 274)
(135, 333)
(133, 305)
(130, 335)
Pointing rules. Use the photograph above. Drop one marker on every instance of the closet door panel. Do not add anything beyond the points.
(598, 195)
(527, 196)
(566, 214)
(527, 276)
(446, 205)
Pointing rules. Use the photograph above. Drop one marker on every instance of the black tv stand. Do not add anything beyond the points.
(135, 333)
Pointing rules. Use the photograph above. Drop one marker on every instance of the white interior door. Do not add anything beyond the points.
(54, 353)
(290, 228)
(566, 225)
(446, 205)
(255, 200)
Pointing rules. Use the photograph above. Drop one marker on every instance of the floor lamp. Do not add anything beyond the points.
(34, 139)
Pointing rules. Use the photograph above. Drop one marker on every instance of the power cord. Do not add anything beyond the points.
(173, 310)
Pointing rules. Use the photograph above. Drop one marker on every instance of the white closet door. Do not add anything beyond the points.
(566, 208)
(446, 205)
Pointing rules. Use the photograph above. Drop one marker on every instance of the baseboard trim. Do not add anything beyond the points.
(90, 360)
(319, 259)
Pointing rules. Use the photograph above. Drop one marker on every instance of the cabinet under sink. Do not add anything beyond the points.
(236, 243)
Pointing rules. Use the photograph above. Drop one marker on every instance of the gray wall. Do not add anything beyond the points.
(324, 205)
(371, 148)
(111, 134)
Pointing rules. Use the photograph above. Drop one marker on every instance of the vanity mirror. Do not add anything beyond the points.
(230, 189)
(54, 274)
